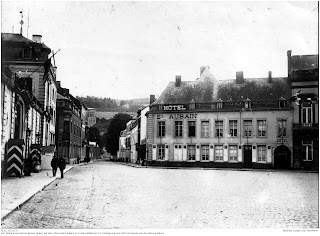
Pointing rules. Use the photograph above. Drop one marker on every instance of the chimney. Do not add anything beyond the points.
(202, 68)
(152, 98)
(36, 38)
(178, 80)
(289, 62)
(270, 77)
(239, 77)
(59, 84)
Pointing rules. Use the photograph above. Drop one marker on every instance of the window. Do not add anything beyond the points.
(306, 114)
(161, 152)
(205, 152)
(192, 128)
(205, 129)
(233, 153)
(219, 152)
(178, 128)
(233, 126)
(282, 128)
(261, 128)
(307, 152)
(66, 126)
(26, 53)
(161, 129)
(219, 128)
(191, 152)
(262, 153)
(247, 128)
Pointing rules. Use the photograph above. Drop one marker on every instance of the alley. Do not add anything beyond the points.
(108, 195)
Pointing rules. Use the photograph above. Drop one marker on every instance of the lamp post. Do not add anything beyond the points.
(28, 133)
(27, 162)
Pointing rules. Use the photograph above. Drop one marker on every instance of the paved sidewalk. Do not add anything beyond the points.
(15, 191)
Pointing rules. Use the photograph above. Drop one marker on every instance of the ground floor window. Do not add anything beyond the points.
(205, 152)
(262, 153)
(307, 150)
(161, 152)
(219, 152)
(233, 153)
(191, 152)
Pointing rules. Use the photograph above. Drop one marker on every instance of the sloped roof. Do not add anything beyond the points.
(304, 62)
(18, 38)
(201, 90)
(208, 89)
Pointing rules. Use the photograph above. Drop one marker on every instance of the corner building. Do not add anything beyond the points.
(240, 123)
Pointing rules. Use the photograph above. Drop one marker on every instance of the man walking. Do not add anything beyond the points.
(61, 165)
(54, 164)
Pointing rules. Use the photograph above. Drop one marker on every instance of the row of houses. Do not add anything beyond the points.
(269, 122)
(39, 117)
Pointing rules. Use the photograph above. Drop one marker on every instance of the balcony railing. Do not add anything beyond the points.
(306, 126)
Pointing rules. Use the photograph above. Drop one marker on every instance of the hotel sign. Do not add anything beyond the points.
(174, 107)
(282, 140)
(178, 116)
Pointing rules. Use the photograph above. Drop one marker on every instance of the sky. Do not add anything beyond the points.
(127, 50)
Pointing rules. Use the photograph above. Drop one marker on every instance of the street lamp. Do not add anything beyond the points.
(28, 162)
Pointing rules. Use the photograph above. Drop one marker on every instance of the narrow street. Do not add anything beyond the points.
(108, 195)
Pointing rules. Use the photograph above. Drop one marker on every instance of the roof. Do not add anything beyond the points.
(208, 89)
(18, 38)
(304, 62)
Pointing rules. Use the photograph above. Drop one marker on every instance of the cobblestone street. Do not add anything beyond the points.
(107, 195)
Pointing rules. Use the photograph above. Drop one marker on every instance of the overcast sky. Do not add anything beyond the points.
(128, 50)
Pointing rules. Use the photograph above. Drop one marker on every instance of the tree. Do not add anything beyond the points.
(117, 124)
(94, 135)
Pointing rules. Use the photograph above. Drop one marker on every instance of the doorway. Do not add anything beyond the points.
(282, 157)
(247, 153)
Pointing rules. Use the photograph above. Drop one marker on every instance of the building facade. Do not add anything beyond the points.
(303, 72)
(243, 123)
(32, 98)
(69, 126)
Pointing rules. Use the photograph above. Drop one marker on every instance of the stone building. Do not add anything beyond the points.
(242, 122)
(303, 72)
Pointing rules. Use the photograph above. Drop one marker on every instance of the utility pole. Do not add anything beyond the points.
(21, 21)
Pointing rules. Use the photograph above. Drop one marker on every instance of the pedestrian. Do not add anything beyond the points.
(54, 164)
(61, 165)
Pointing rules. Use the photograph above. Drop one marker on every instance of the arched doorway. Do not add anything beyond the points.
(282, 157)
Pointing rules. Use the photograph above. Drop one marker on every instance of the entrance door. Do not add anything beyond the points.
(178, 152)
(247, 160)
(282, 157)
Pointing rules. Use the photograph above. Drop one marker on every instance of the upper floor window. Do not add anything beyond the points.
(233, 127)
(205, 129)
(161, 129)
(282, 128)
(66, 126)
(247, 103)
(192, 128)
(306, 113)
(261, 128)
(178, 128)
(27, 52)
(247, 128)
(219, 104)
(282, 102)
(219, 128)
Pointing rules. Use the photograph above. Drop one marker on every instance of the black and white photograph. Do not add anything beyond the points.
(159, 117)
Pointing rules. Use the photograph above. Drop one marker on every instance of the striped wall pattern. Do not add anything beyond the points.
(15, 157)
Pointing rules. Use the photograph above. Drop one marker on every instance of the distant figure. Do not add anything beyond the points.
(54, 164)
(78, 160)
(87, 159)
(61, 165)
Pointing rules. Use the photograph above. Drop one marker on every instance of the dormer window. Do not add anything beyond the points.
(282, 102)
(192, 105)
(247, 103)
(219, 104)
(26, 53)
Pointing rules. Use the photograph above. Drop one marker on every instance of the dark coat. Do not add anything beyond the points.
(61, 163)
(54, 162)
